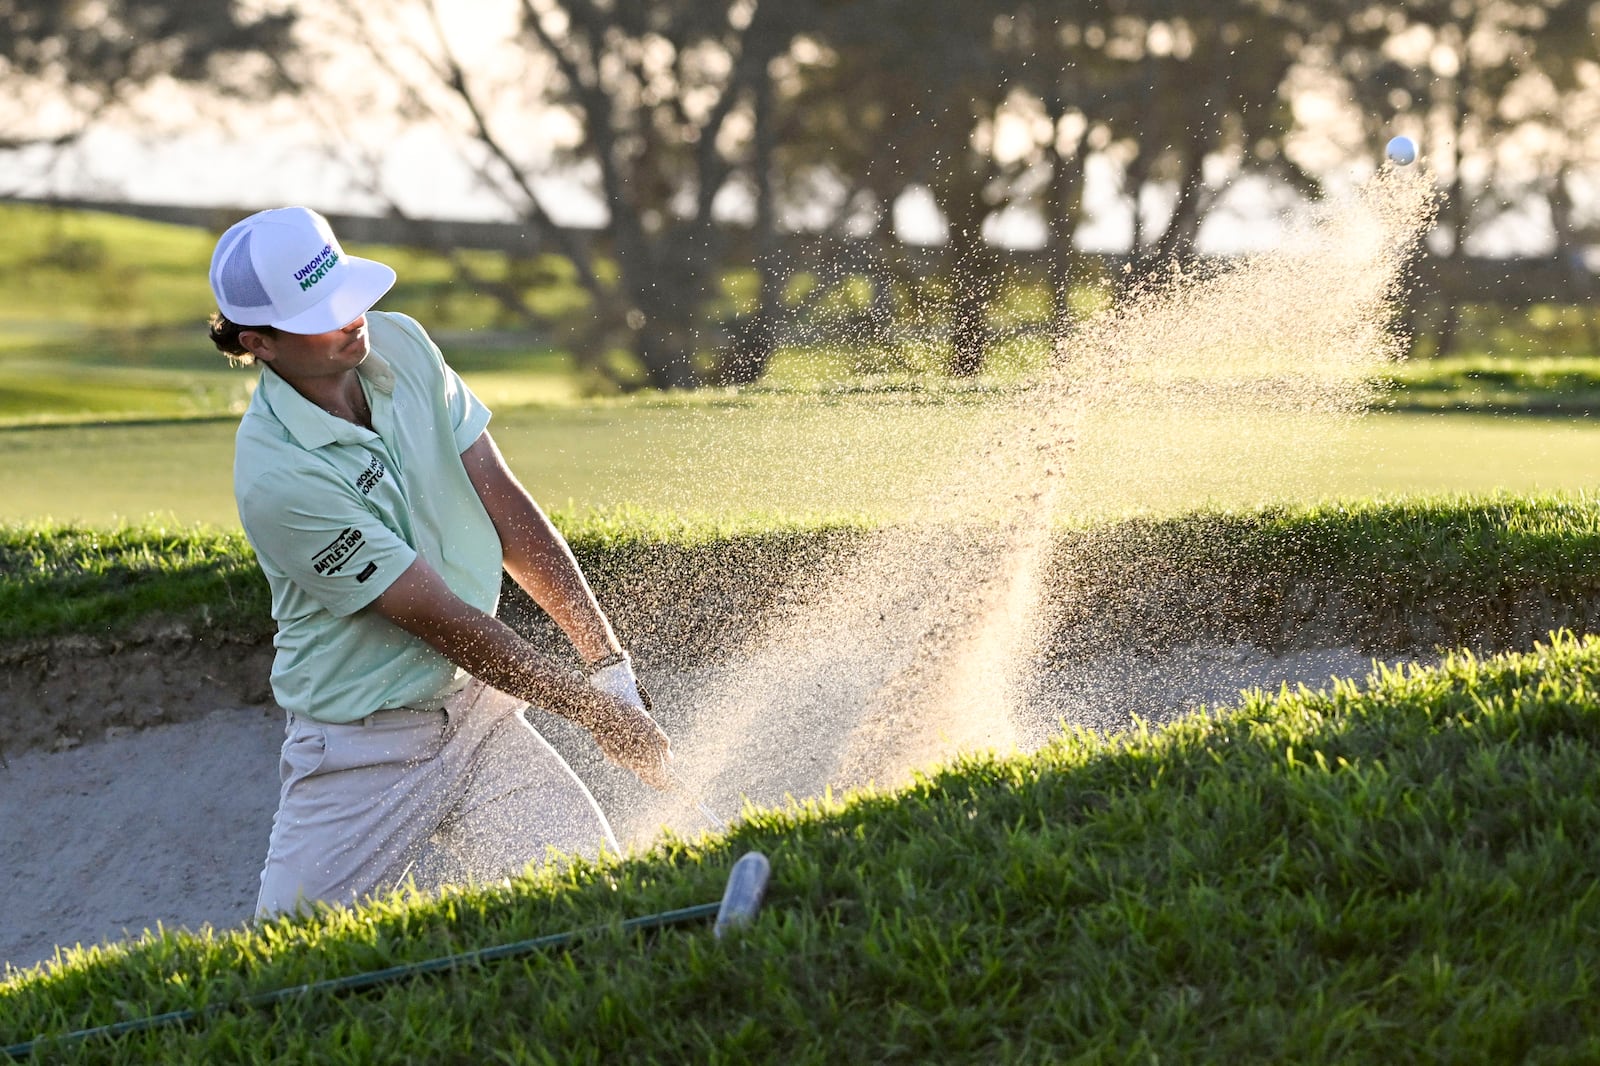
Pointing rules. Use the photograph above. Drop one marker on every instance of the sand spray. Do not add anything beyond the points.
(923, 641)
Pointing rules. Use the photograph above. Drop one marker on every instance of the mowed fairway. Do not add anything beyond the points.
(871, 456)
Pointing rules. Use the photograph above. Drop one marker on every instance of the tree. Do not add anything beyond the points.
(902, 94)
(1564, 108)
(920, 92)
(1212, 81)
(694, 121)
(1451, 70)
(65, 63)
(665, 100)
(1164, 88)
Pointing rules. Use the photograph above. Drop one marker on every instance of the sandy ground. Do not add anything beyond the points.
(168, 825)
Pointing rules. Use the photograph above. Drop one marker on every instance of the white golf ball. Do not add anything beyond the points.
(1402, 151)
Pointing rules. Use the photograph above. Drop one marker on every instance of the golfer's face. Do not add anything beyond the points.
(310, 354)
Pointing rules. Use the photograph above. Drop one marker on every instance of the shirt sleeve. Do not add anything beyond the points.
(468, 415)
(317, 531)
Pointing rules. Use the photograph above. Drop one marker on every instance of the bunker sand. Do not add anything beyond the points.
(168, 825)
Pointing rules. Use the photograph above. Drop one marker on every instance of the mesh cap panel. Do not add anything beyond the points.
(238, 281)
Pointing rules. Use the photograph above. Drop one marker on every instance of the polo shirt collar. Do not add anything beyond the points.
(310, 425)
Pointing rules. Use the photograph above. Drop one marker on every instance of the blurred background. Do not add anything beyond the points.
(730, 256)
(675, 193)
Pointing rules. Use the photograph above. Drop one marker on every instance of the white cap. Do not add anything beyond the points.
(284, 268)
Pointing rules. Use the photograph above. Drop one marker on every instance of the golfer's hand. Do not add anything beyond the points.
(619, 680)
(629, 737)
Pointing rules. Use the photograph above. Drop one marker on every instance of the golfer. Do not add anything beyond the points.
(382, 514)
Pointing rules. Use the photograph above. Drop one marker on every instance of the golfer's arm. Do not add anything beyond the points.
(536, 555)
(420, 603)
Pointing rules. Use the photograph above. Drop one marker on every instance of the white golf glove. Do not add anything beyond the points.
(637, 744)
(617, 680)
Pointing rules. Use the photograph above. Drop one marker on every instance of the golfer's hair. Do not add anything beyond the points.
(225, 335)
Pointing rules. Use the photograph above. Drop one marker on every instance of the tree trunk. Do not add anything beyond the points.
(881, 309)
(1176, 243)
(1062, 206)
(666, 355)
(974, 280)
(1569, 247)
(755, 336)
(1454, 213)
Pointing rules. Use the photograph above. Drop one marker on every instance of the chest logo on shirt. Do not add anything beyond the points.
(331, 560)
(370, 476)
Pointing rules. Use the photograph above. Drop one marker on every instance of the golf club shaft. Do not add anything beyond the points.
(705, 811)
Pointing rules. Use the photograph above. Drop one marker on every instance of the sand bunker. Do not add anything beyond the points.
(168, 825)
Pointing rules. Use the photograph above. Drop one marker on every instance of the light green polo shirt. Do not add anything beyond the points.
(337, 512)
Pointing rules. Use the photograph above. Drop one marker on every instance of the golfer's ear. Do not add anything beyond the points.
(257, 344)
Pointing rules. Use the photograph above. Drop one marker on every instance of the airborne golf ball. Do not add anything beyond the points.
(1401, 151)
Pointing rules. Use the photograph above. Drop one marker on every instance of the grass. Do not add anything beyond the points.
(80, 274)
(872, 455)
(1400, 871)
(1490, 571)
(1498, 384)
(1396, 872)
(1487, 572)
(58, 580)
(79, 375)
(710, 453)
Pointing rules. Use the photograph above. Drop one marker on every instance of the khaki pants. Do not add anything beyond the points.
(468, 793)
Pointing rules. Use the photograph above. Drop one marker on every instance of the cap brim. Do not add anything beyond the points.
(363, 284)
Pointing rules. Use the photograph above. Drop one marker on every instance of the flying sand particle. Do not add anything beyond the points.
(924, 640)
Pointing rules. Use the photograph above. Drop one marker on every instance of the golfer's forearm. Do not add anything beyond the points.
(491, 651)
(535, 553)
(537, 558)
(420, 602)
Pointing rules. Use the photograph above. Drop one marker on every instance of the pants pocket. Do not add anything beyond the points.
(394, 740)
(303, 753)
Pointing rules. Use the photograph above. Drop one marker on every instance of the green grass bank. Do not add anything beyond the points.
(1396, 873)
(1491, 571)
